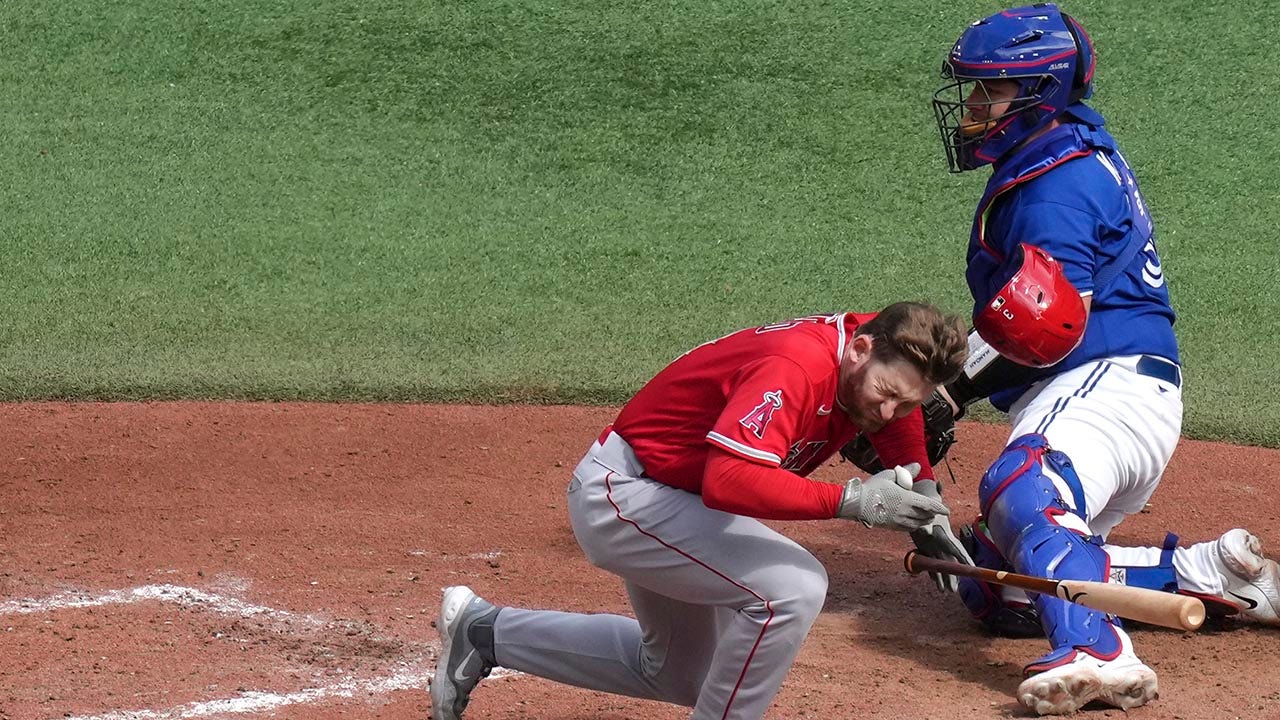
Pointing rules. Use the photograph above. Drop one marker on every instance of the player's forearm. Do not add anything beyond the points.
(732, 484)
(987, 372)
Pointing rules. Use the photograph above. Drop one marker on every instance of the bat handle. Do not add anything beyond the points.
(909, 562)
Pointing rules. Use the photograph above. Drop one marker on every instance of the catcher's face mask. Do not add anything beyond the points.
(1045, 52)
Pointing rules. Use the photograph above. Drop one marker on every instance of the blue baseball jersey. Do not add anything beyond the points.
(1073, 194)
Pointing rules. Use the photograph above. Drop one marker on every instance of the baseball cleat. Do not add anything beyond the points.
(1125, 682)
(1249, 581)
(460, 666)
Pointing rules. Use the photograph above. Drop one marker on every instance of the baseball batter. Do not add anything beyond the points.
(668, 498)
(1093, 433)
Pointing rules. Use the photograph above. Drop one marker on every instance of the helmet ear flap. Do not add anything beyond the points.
(1081, 82)
(1037, 87)
(1043, 88)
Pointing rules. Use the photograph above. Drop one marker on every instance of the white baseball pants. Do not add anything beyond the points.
(1120, 428)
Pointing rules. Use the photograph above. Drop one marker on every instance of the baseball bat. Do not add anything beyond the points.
(1180, 612)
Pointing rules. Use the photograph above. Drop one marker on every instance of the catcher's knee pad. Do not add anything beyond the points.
(1031, 452)
(1041, 534)
(986, 601)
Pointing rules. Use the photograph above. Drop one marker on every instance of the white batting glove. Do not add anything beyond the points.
(936, 539)
(886, 499)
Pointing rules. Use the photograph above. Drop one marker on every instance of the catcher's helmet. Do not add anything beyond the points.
(1043, 50)
(1038, 317)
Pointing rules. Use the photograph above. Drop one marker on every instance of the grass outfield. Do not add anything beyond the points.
(540, 201)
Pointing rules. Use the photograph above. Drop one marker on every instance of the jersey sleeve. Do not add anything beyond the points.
(766, 401)
(1071, 235)
(735, 485)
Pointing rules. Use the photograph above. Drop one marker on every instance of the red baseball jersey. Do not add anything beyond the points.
(765, 394)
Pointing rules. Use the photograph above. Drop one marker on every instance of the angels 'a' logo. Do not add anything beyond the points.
(758, 419)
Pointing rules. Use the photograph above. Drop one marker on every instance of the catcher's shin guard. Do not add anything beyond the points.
(986, 601)
(1041, 534)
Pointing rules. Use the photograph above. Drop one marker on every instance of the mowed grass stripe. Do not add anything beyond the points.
(547, 202)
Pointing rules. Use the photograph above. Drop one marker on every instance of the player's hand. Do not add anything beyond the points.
(936, 539)
(887, 500)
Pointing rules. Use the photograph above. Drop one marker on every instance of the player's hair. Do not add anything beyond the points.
(919, 333)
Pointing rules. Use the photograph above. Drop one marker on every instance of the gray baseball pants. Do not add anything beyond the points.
(722, 603)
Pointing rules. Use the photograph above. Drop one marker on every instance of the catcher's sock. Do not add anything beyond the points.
(1197, 568)
(1194, 569)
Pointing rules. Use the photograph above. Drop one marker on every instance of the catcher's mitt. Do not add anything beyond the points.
(939, 435)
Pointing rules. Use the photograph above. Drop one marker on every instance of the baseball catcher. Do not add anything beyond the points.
(1095, 405)
(1035, 320)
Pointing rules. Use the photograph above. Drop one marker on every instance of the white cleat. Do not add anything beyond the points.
(1249, 581)
(460, 667)
(1125, 682)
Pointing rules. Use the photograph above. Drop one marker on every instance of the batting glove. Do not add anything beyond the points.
(936, 539)
(886, 499)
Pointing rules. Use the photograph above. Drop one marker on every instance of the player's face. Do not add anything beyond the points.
(988, 100)
(874, 393)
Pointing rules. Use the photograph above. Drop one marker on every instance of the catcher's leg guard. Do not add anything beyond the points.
(987, 601)
(1021, 496)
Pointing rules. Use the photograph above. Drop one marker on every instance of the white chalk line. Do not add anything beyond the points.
(177, 594)
(413, 676)
(254, 701)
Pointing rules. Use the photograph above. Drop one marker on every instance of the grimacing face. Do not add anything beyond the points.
(874, 393)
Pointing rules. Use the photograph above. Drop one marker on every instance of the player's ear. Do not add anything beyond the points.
(860, 348)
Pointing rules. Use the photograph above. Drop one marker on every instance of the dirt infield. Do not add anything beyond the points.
(285, 560)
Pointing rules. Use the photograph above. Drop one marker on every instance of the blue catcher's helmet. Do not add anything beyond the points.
(1044, 51)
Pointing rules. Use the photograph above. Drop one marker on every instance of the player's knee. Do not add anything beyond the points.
(794, 590)
(978, 597)
(806, 591)
(686, 689)
(1032, 502)
(1023, 456)
(997, 615)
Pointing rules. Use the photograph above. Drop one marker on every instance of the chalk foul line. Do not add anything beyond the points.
(414, 674)
(256, 701)
(190, 597)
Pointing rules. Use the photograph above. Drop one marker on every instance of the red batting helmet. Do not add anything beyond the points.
(1037, 318)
